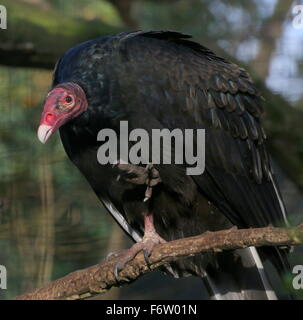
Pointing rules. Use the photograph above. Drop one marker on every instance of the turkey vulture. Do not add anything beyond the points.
(163, 80)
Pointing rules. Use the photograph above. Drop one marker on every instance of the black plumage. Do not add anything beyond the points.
(161, 79)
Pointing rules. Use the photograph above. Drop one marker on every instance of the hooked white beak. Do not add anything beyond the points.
(44, 132)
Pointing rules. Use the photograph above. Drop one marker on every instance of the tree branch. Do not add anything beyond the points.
(124, 8)
(35, 39)
(100, 278)
(270, 32)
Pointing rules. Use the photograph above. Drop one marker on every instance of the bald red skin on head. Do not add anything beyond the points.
(63, 103)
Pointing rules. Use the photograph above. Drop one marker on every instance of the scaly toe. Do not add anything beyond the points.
(146, 246)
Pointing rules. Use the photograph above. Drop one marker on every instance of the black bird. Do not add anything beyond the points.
(157, 80)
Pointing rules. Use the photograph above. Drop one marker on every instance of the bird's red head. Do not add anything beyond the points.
(65, 102)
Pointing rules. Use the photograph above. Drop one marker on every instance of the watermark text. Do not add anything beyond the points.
(297, 281)
(3, 277)
(298, 16)
(3, 17)
(156, 146)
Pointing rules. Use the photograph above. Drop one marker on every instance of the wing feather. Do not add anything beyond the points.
(206, 91)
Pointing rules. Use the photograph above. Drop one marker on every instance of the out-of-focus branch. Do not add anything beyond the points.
(124, 8)
(270, 32)
(100, 278)
(35, 39)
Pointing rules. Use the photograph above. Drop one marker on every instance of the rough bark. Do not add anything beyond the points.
(99, 278)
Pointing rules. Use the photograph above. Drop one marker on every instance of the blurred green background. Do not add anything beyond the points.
(51, 223)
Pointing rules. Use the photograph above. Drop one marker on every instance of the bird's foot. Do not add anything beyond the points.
(140, 175)
(147, 244)
(152, 180)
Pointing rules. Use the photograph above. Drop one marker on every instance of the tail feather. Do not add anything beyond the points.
(239, 275)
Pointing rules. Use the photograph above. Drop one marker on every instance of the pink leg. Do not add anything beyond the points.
(147, 244)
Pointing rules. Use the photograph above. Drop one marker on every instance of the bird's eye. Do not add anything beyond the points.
(68, 99)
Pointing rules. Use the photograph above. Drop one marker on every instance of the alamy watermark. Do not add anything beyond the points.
(3, 277)
(3, 17)
(159, 146)
(297, 281)
(298, 16)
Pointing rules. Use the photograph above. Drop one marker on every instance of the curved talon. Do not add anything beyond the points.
(146, 254)
(139, 175)
(148, 193)
(117, 269)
